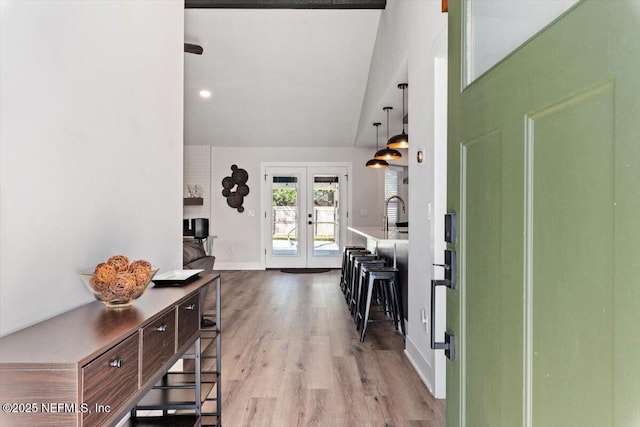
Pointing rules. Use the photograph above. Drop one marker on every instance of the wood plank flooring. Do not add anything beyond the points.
(291, 357)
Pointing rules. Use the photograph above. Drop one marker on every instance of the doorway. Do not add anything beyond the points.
(305, 215)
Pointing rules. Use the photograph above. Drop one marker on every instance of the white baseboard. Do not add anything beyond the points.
(421, 365)
(238, 266)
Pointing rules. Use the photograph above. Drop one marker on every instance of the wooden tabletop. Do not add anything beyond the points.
(75, 337)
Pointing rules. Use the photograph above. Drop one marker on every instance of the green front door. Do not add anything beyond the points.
(544, 175)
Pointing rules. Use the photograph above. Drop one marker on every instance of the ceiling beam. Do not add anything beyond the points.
(285, 4)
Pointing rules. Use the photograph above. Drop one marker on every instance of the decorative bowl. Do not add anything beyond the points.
(119, 293)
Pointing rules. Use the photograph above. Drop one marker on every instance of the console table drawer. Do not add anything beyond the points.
(109, 380)
(158, 344)
(188, 319)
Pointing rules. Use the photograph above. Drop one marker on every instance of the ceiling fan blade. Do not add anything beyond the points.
(193, 48)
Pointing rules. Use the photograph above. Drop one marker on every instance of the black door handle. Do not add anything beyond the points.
(450, 267)
(449, 343)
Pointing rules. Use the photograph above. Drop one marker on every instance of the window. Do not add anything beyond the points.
(495, 28)
(392, 179)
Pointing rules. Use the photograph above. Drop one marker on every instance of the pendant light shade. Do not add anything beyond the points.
(377, 163)
(401, 140)
(387, 153)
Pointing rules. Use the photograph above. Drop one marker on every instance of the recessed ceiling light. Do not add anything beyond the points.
(205, 93)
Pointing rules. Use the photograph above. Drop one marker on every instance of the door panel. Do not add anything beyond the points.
(482, 195)
(544, 172)
(572, 281)
(286, 201)
(328, 201)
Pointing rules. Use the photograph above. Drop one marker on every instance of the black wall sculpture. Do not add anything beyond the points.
(235, 187)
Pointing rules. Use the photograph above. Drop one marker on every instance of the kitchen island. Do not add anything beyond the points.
(393, 246)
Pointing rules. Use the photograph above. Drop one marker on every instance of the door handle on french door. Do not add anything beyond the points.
(449, 343)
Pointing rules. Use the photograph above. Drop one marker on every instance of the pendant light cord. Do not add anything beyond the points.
(403, 86)
(387, 110)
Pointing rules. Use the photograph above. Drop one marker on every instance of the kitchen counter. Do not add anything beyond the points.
(394, 235)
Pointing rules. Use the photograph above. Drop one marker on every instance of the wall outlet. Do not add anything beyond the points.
(424, 319)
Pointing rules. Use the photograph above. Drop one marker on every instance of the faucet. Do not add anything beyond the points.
(385, 221)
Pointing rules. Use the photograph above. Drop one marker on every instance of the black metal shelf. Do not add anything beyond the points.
(174, 397)
(184, 420)
(176, 390)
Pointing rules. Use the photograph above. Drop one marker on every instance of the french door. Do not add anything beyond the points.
(305, 216)
(544, 176)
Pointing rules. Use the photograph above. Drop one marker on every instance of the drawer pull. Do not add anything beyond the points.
(116, 363)
(190, 307)
(162, 328)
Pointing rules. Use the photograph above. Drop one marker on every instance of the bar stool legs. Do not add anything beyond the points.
(388, 279)
(364, 280)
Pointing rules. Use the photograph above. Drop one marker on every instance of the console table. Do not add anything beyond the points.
(90, 366)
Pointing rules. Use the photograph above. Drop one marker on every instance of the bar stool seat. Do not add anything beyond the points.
(390, 297)
(349, 271)
(353, 277)
(345, 258)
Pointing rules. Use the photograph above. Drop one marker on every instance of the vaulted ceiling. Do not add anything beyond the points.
(281, 76)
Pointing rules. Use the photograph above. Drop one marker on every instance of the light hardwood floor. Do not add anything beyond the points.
(291, 357)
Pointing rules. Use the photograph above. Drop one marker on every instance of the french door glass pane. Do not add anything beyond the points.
(325, 215)
(285, 206)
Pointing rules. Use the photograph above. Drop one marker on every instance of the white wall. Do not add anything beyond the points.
(405, 49)
(439, 206)
(427, 26)
(90, 146)
(238, 242)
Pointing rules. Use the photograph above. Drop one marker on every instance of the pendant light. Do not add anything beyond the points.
(387, 153)
(376, 163)
(401, 140)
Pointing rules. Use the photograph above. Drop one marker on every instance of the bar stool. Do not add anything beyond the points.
(353, 276)
(349, 271)
(345, 257)
(390, 297)
(362, 294)
(347, 268)
(356, 299)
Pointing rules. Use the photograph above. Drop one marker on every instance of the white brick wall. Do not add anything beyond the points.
(197, 171)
